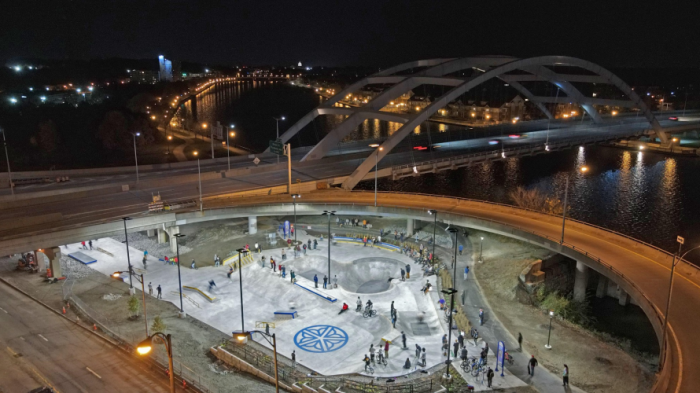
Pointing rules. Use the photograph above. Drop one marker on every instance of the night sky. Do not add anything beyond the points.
(371, 33)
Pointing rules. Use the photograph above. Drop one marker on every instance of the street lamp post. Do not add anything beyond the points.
(481, 249)
(242, 335)
(451, 292)
(294, 199)
(128, 258)
(179, 236)
(549, 335)
(199, 173)
(228, 145)
(136, 159)
(583, 169)
(7, 156)
(329, 214)
(145, 347)
(277, 120)
(170, 138)
(674, 262)
(240, 281)
(376, 163)
(434, 213)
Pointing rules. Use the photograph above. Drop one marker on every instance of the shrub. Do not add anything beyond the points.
(134, 306)
(158, 325)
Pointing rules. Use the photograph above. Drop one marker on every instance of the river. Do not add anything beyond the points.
(649, 196)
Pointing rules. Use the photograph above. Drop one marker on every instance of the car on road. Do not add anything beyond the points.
(673, 118)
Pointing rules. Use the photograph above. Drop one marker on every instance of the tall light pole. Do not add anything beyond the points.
(294, 199)
(241, 336)
(146, 345)
(583, 169)
(376, 163)
(329, 214)
(179, 236)
(199, 173)
(674, 262)
(240, 281)
(481, 249)
(434, 214)
(277, 120)
(228, 145)
(7, 156)
(136, 159)
(128, 258)
(549, 335)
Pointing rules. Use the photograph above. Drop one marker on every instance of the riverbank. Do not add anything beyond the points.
(595, 366)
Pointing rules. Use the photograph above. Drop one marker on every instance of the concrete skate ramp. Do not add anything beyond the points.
(364, 275)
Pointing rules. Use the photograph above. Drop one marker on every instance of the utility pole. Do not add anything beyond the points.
(289, 167)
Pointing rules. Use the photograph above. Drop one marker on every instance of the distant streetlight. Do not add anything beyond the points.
(199, 173)
(128, 258)
(294, 200)
(146, 345)
(376, 163)
(179, 236)
(170, 138)
(549, 335)
(228, 145)
(7, 156)
(583, 169)
(329, 214)
(277, 120)
(434, 213)
(136, 159)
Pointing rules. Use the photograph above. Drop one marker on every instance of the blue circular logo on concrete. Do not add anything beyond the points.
(321, 338)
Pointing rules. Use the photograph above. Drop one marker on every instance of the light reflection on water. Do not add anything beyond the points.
(645, 195)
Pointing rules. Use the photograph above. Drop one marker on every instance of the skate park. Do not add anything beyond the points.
(481, 217)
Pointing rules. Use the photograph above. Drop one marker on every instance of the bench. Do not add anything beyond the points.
(290, 313)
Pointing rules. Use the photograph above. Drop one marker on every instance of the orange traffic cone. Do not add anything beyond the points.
(64, 309)
(94, 327)
(184, 384)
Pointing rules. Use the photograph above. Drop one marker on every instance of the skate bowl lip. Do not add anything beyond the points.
(306, 269)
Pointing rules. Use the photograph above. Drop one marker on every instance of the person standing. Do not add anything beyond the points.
(531, 366)
(481, 316)
(335, 281)
(489, 376)
(262, 261)
(408, 271)
(315, 244)
(466, 272)
(159, 292)
(455, 348)
(392, 308)
(359, 304)
(292, 275)
(418, 351)
(422, 358)
(304, 249)
(325, 281)
(565, 376)
(403, 339)
(520, 342)
(386, 349)
(193, 265)
(90, 243)
(403, 275)
(393, 319)
(461, 247)
(371, 352)
(460, 338)
(316, 280)
(294, 359)
(150, 289)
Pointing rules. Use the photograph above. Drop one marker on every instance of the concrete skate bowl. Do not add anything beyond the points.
(364, 275)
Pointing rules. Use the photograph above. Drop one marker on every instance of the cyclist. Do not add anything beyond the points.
(366, 360)
(369, 306)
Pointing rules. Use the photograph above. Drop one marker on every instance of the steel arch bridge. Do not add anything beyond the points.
(436, 72)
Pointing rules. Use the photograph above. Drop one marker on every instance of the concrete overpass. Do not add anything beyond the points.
(640, 270)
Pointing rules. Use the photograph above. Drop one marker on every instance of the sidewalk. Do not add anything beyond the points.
(492, 330)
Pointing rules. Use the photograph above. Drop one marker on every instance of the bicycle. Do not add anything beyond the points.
(369, 369)
(369, 313)
(509, 358)
(381, 359)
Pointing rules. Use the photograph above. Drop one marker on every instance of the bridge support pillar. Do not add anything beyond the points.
(252, 225)
(53, 254)
(162, 236)
(150, 232)
(173, 240)
(409, 226)
(602, 288)
(623, 297)
(581, 281)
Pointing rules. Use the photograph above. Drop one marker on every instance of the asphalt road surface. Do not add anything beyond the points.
(40, 348)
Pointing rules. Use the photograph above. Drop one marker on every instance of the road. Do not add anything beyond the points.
(39, 348)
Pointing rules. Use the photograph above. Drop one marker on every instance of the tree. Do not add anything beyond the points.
(47, 138)
(158, 325)
(113, 131)
(535, 199)
(134, 306)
